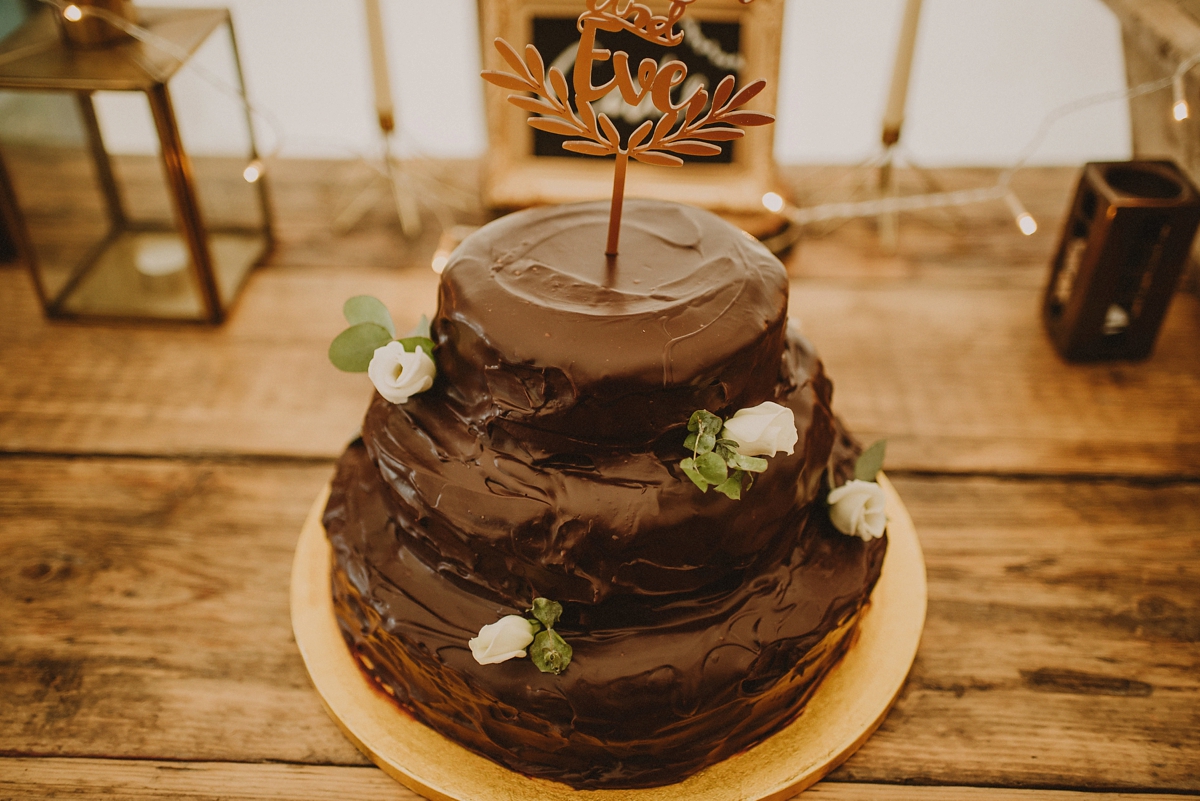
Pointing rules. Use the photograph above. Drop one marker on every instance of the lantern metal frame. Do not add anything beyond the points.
(129, 66)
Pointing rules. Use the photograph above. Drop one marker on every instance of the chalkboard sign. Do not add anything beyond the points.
(711, 50)
(527, 167)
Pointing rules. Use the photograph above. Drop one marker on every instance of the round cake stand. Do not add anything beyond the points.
(847, 707)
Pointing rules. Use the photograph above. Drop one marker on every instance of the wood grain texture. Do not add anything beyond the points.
(949, 325)
(135, 780)
(260, 385)
(1062, 643)
(961, 379)
(143, 611)
(122, 780)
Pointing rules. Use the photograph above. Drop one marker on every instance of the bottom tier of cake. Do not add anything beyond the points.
(658, 689)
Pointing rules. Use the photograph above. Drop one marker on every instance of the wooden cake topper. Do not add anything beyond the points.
(683, 128)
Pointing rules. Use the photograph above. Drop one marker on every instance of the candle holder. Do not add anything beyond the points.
(118, 191)
(1119, 259)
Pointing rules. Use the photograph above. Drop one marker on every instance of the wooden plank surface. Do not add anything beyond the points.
(145, 612)
(937, 347)
(134, 780)
(145, 644)
(145, 616)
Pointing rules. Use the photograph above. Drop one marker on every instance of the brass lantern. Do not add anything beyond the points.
(129, 176)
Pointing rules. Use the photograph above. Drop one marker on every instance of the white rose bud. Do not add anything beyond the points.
(859, 508)
(762, 430)
(505, 639)
(398, 374)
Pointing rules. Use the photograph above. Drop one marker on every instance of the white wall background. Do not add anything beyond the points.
(985, 75)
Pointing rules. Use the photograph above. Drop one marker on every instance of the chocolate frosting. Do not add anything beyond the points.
(540, 329)
(545, 462)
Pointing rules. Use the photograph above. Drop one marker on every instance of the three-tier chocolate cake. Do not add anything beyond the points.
(545, 461)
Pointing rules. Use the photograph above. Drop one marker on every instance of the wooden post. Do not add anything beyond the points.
(893, 117)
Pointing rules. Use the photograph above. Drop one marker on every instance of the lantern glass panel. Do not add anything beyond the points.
(215, 130)
(147, 268)
(50, 164)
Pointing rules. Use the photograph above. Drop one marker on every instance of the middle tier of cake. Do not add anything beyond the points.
(499, 513)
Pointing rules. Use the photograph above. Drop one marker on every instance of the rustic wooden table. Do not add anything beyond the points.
(153, 481)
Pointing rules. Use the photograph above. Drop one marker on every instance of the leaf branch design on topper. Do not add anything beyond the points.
(685, 127)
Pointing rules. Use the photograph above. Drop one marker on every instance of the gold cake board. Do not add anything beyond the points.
(847, 707)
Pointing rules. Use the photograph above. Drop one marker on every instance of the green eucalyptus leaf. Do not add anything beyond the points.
(368, 309)
(751, 464)
(870, 462)
(421, 329)
(546, 611)
(732, 486)
(724, 451)
(410, 344)
(705, 443)
(710, 424)
(352, 350)
(725, 442)
(712, 468)
(705, 422)
(690, 442)
(688, 466)
(550, 652)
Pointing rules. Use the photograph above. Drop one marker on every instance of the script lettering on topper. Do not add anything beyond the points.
(684, 127)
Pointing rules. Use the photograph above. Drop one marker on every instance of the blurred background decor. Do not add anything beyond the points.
(114, 188)
(1161, 41)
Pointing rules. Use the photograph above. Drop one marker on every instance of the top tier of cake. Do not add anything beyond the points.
(538, 330)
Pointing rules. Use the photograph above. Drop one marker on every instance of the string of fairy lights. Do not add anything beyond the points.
(1002, 189)
(773, 202)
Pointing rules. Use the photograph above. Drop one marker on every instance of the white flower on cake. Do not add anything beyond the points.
(763, 430)
(399, 374)
(505, 639)
(859, 508)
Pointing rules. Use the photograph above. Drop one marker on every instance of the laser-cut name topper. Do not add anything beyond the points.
(683, 129)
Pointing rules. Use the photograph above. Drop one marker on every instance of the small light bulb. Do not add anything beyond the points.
(72, 13)
(440, 260)
(253, 171)
(1180, 107)
(1024, 219)
(773, 202)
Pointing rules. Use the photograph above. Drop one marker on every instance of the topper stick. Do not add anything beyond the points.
(618, 202)
(684, 127)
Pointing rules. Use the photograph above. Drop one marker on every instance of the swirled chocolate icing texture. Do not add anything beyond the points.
(545, 462)
(540, 329)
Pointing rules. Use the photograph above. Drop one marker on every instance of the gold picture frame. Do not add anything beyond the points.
(515, 177)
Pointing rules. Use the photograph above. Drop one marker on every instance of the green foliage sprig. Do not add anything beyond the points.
(715, 461)
(549, 652)
(371, 328)
(870, 461)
